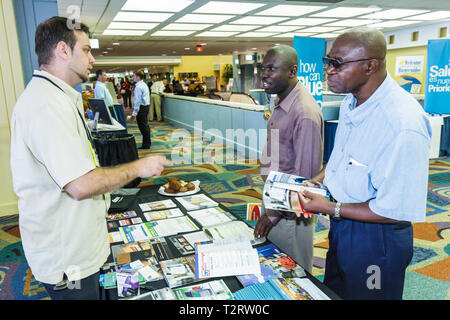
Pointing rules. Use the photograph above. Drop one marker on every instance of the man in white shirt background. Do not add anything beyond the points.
(157, 89)
(101, 91)
(141, 101)
(63, 196)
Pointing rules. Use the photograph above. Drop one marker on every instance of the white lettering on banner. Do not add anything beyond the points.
(435, 71)
(314, 88)
(306, 67)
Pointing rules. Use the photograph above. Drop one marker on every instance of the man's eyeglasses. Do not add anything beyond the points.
(336, 64)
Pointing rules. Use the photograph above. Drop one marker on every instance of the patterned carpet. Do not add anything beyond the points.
(236, 183)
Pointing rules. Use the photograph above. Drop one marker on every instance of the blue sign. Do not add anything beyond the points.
(437, 80)
(310, 65)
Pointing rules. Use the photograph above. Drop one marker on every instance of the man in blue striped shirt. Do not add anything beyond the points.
(141, 106)
(377, 172)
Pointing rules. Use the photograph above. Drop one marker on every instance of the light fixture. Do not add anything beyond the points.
(393, 14)
(307, 22)
(326, 35)
(186, 26)
(187, 48)
(231, 27)
(172, 33)
(116, 44)
(132, 25)
(351, 23)
(94, 43)
(203, 18)
(393, 23)
(293, 34)
(228, 7)
(142, 16)
(216, 34)
(345, 12)
(159, 6)
(258, 20)
(289, 10)
(277, 29)
(257, 34)
(437, 15)
(321, 29)
(114, 32)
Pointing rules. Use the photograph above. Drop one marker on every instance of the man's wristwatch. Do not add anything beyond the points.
(337, 209)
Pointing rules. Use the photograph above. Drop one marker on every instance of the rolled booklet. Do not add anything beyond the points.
(281, 191)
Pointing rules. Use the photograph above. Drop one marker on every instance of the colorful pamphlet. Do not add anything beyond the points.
(273, 264)
(185, 243)
(160, 294)
(121, 215)
(114, 237)
(281, 191)
(157, 205)
(226, 257)
(196, 202)
(211, 216)
(232, 229)
(127, 282)
(212, 290)
(179, 271)
(254, 211)
(163, 214)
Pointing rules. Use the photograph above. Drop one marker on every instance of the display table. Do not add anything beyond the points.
(149, 194)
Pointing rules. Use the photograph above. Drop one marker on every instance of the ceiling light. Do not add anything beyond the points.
(204, 18)
(278, 29)
(345, 12)
(254, 48)
(216, 34)
(289, 10)
(326, 35)
(203, 44)
(186, 26)
(257, 34)
(351, 23)
(109, 48)
(132, 25)
(116, 44)
(172, 33)
(392, 24)
(230, 27)
(307, 21)
(142, 16)
(393, 14)
(228, 7)
(105, 52)
(292, 34)
(108, 32)
(437, 15)
(258, 20)
(160, 6)
(94, 43)
(187, 48)
(320, 29)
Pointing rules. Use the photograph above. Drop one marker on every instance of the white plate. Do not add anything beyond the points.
(180, 194)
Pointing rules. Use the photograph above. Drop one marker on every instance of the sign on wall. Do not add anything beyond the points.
(310, 65)
(409, 64)
(437, 82)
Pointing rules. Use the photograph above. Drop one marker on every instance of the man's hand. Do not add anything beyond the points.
(152, 166)
(314, 202)
(263, 227)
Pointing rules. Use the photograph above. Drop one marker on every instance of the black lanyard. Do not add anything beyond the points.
(88, 133)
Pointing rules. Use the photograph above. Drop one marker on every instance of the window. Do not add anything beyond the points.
(415, 36)
(443, 32)
(391, 39)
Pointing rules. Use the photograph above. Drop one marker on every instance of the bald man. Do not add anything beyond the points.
(377, 172)
(294, 145)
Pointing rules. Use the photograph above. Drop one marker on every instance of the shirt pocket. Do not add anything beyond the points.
(357, 181)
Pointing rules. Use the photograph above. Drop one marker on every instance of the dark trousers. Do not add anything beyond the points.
(144, 128)
(127, 99)
(368, 261)
(84, 289)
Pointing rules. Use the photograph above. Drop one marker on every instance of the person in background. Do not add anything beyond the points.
(377, 172)
(126, 93)
(294, 145)
(141, 107)
(101, 91)
(63, 195)
(157, 90)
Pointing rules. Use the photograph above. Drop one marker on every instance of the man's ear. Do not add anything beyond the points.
(63, 51)
(372, 66)
(293, 71)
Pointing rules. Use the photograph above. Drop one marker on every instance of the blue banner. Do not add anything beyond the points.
(310, 65)
(437, 80)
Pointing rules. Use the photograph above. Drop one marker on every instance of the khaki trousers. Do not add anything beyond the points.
(155, 105)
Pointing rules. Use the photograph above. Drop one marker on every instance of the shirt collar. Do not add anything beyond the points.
(70, 91)
(356, 115)
(287, 102)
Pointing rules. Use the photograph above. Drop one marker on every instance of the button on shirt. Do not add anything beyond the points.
(141, 96)
(380, 154)
(49, 149)
(102, 92)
